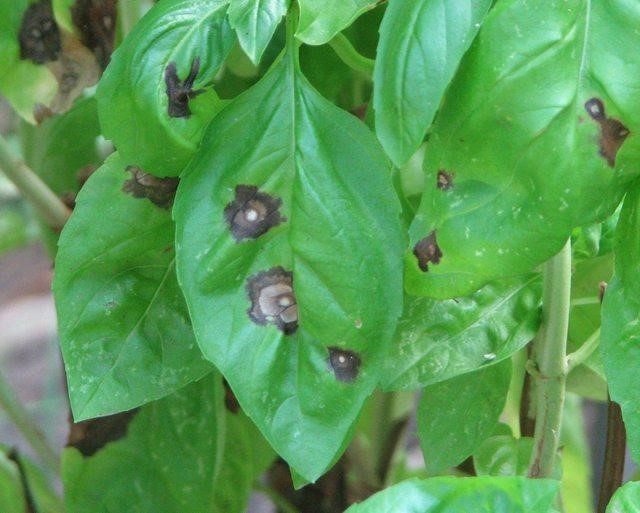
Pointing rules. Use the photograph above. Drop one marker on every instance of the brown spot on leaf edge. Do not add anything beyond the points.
(444, 181)
(179, 92)
(273, 300)
(252, 213)
(612, 132)
(96, 21)
(230, 400)
(160, 191)
(39, 35)
(344, 364)
(427, 251)
(92, 435)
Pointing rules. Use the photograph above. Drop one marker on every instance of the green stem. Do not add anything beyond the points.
(350, 56)
(43, 199)
(278, 500)
(17, 414)
(581, 354)
(549, 354)
(129, 13)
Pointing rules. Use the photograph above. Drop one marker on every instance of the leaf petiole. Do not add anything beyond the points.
(350, 56)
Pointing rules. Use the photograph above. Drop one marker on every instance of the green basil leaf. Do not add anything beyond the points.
(321, 20)
(421, 45)
(136, 113)
(255, 21)
(454, 494)
(626, 499)
(11, 492)
(621, 320)
(173, 459)
(124, 328)
(525, 145)
(450, 431)
(438, 340)
(290, 200)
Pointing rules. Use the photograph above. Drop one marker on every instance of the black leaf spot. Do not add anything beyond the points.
(345, 364)
(92, 435)
(273, 300)
(160, 191)
(181, 91)
(96, 21)
(230, 401)
(39, 35)
(445, 180)
(427, 251)
(252, 213)
(612, 132)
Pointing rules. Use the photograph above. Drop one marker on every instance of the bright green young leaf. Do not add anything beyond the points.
(255, 21)
(321, 20)
(175, 41)
(620, 338)
(455, 495)
(173, 459)
(421, 45)
(525, 146)
(438, 340)
(22, 82)
(124, 328)
(288, 214)
(626, 499)
(456, 415)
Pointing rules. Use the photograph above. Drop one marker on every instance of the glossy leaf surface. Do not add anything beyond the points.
(438, 340)
(453, 495)
(537, 135)
(421, 45)
(320, 20)
(302, 370)
(456, 415)
(255, 21)
(620, 338)
(626, 499)
(124, 328)
(196, 37)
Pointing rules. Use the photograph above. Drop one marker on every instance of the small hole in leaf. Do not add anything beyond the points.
(427, 251)
(96, 21)
(252, 213)
(273, 300)
(39, 36)
(344, 364)
(160, 191)
(179, 91)
(444, 181)
(612, 132)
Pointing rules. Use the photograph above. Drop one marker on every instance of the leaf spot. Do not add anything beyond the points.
(179, 91)
(160, 191)
(344, 364)
(96, 21)
(612, 132)
(427, 251)
(39, 35)
(444, 181)
(252, 213)
(273, 300)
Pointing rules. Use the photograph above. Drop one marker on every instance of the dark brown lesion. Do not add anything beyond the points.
(427, 251)
(39, 35)
(252, 213)
(179, 91)
(230, 400)
(160, 191)
(612, 132)
(344, 364)
(273, 300)
(96, 22)
(92, 435)
(444, 180)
